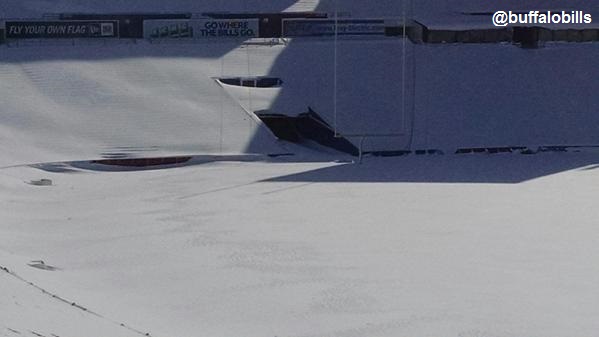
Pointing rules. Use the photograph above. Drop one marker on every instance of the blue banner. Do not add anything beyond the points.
(320, 27)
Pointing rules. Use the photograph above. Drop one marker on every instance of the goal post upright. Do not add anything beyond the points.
(338, 133)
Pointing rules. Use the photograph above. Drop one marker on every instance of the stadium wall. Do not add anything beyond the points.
(271, 24)
(131, 25)
(42, 29)
(211, 29)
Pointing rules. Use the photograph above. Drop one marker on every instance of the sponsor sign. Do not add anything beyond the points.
(226, 29)
(320, 27)
(60, 29)
(161, 29)
(201, 29)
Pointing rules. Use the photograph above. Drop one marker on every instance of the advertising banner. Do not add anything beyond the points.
(326, 27)
(164, 29)
(201, 29)
(60, 29)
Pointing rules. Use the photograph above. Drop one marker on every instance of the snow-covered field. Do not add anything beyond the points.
(235, 243)
(500, 245)
(89, 101)
(118, 98)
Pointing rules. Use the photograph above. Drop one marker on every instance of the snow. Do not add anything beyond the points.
(466, 21)
(364, 8)
(234, 243)
(477, 246)
(161, 99)
(27, 311)
(103, 99)
(37, 8)
(86, 102)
